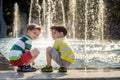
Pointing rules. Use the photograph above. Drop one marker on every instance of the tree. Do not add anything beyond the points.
(3, 27)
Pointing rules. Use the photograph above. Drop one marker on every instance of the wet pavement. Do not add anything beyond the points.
(4, 63)
(7, 72)
(70, 75)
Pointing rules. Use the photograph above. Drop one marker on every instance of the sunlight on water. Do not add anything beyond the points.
(97, 55)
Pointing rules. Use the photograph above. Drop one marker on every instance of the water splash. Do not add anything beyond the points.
(73, 7)
(101, 18)
(86, 28)
(16, 22)
(84, 20)
(34, 13)
(98, 55)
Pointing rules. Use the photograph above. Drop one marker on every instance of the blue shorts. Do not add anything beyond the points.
(56, 57)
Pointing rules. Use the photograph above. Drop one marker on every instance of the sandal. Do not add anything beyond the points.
(19, 68)
(27, 69)
(47, 69)
(62, 69)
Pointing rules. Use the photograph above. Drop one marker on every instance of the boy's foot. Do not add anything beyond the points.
(27, 69)
(47, 69)
(62, 69)
(20, 68)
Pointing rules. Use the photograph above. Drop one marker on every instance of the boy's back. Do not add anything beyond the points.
(24, 43)
(66, 52)
(61, 52)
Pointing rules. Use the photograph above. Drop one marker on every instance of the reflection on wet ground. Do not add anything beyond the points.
(4, 63)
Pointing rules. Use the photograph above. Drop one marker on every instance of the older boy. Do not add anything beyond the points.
(20, 54)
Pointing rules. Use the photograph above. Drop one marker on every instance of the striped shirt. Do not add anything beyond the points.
(66, 52)
(24, 43)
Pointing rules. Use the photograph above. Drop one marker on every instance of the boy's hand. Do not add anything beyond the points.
(33, 63)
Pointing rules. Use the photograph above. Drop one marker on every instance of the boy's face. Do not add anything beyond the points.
(34, 34)
(56, 34)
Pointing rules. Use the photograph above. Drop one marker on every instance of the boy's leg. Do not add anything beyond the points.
(27, 67)
(51, 53)
(48, 57)
(26, 59)
(48, 67)
(34, 54)
(55, 55)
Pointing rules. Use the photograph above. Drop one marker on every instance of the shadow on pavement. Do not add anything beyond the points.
(45, 75)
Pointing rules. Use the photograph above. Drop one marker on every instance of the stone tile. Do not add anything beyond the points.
(71, 74)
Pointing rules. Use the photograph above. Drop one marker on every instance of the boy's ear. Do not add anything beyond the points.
(61, 33)
(28, 30)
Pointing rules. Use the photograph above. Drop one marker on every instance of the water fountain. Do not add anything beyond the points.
(16, 22)
(84, 20)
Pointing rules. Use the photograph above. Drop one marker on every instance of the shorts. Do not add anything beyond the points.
(56, 57)
(25, 58)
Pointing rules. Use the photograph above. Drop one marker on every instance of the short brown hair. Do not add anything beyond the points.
(33, 26)
(60, 29)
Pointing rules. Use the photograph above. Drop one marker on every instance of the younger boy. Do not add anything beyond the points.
(61, 52)
(20, 54)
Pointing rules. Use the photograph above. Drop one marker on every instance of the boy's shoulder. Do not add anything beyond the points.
(25, 38)
(60, 40)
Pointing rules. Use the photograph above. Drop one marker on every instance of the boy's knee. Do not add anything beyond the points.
(48, 49)
(35, 52)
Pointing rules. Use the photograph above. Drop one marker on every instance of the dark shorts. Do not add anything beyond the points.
(56, 57)
(25, 58)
